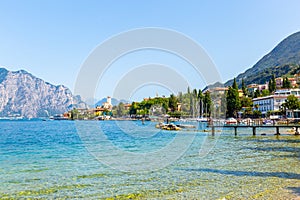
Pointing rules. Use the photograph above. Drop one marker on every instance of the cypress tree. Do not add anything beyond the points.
(244, 88)
(234, 84)
(233, 100)
(273, 83)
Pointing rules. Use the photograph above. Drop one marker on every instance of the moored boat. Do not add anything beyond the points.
(231, 121)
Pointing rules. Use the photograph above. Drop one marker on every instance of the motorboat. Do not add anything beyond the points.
(231, 121)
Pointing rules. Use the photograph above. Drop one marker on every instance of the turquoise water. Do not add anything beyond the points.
(67, 159)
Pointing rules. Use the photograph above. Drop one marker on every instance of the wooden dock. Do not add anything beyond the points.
(254, 127)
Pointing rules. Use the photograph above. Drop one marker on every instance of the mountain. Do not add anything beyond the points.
(23, 94)
(114, 101)
(284, 57)
(215, 85)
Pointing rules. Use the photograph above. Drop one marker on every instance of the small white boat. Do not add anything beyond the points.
(186, 126)
(231, 121)
(202, 119)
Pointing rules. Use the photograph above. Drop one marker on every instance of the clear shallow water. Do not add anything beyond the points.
(49, 159)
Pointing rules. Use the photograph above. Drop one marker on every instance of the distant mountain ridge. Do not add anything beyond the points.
(285, 55)
(114, 101)
(26, 95)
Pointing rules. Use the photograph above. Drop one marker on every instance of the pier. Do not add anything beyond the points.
(254, 127)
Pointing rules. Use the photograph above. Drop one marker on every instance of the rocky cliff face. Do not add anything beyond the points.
(24, 94)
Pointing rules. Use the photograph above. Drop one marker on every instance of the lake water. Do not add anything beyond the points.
(125, 159)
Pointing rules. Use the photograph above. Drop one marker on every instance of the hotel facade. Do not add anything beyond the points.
(274, 102)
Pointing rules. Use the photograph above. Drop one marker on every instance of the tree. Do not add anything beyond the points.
(120, 109)
(223, 104)
(286, 83)
(265, 93)
(244, 88)
(180, 97)
(74, 114)
(246, 102)
(133, 108)
(173, 102)
(292, 103)
(207, 103)
(257, 93)
(194, 100)
(234, 84)
(233, 100)
(256, 113)
(200, 98)
(272, 84)
(188, 90)
(195, 94)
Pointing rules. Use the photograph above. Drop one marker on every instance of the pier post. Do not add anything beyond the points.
(213, 131)
(235, 130)
(277, 131)
(254, 130)
(297, 132)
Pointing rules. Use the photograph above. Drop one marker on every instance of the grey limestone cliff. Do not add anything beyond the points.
(23, 94)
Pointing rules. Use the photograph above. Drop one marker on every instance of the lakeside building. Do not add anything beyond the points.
(107, 105)
(253, 87)
(104, 109)
(127, 106)
(222, 90)
(274, 102)
(297, 77)
(293, 81)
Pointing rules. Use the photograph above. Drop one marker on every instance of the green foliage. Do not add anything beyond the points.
(207, 101)
(195, 94)
(200, 98)
(246, 102)
(74, 114)
(173, 102)
(233, 100)
(175, 114)
(286, 83)
(257, 93)
(133, 109)
(120, 110)
(193, 104)
(266, 74)
(292, 103)
(143, 108)
(247, 112)
(234, 84)
(256, 113)
(244, 88)
(265, 93)
(272, 84)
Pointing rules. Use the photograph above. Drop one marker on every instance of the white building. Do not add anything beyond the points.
(107, 105)
(253, 87)
(274, 102)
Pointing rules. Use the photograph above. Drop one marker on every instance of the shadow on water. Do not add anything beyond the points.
(278, 149)
(247, 173)
(295, 190)
(275, 141)
(294, 151)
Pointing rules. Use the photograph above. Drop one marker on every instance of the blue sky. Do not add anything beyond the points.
(51, 39)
